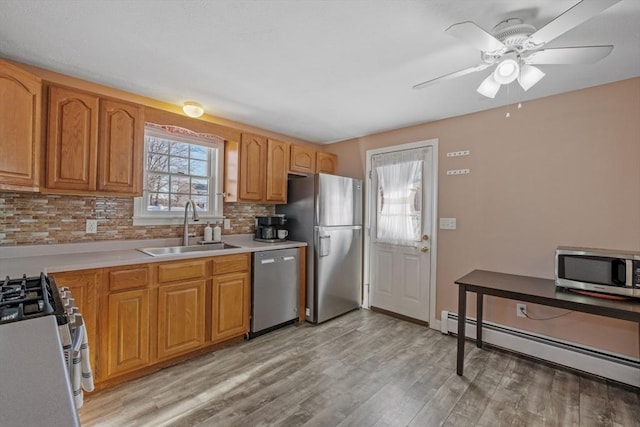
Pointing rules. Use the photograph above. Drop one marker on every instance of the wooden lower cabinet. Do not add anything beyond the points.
(84, 286)
(145, 316)
(127, 327)
(181, 318)
(230, 305)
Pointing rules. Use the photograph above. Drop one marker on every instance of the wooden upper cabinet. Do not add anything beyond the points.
(94, 145)
(253, 159)
(72, 140)
(120, 147)
(256, 170)
(277, 164)
(303, 159)
(326, 162)
(20, 129)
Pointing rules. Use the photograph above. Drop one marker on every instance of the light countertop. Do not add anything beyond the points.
(31, 260)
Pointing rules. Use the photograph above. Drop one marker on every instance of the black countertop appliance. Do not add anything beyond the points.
(267, 228)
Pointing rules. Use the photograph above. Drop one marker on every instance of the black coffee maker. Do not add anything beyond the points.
(267, 228)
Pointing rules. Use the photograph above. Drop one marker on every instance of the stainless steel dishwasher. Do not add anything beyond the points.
(275, 290)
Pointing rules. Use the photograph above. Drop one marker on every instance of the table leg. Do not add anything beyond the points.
(480, 297)
(462, 320)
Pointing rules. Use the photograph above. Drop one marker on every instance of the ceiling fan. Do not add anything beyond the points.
(516, 47)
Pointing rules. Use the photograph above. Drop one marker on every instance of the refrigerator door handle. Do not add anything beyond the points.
(325, 246)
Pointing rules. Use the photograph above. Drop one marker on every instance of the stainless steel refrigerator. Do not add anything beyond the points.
(326, 212)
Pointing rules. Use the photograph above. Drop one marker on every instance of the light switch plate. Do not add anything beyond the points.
(447, 223)
(227, 224)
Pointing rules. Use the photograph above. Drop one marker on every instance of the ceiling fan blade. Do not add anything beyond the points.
(569, 19)
(451, 76)
(569, 55)
(476, 36)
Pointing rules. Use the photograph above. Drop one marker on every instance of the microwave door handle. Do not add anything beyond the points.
(619, 272)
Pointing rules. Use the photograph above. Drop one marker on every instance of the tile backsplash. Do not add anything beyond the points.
(43, 219)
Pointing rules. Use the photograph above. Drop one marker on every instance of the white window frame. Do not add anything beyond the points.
(141, 216)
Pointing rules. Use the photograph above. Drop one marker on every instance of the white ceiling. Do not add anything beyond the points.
(322, 71)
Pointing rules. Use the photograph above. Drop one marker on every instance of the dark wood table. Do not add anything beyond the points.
(534, 290)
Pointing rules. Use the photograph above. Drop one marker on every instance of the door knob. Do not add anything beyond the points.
(425, 249)
(425, 237)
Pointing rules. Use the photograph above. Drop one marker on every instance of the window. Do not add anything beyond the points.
(179, 165)
(398, 183)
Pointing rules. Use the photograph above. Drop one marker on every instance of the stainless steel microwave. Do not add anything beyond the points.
(599, 270)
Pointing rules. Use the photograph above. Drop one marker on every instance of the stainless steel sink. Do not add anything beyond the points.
(175, 250)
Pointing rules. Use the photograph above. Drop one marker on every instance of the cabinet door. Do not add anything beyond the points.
(72, 140)
(127, 346)
(84, 285)
(181, 318)
(277, 164)
(303, 160)
(326, 163)
(230, 306)
(20, 109)
(120, 148)
(253, 159)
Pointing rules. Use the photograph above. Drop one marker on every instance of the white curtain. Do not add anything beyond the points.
(399, 201)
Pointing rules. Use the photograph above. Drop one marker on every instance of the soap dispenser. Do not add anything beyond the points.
(207, 233)
(217, 233)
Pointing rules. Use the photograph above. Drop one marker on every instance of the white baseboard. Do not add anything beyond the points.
(616, 367)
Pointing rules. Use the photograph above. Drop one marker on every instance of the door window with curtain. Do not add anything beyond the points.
(399, 198)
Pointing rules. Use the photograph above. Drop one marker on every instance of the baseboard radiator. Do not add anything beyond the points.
(582, 358)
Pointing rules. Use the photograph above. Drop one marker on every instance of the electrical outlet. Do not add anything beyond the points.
(92, 226)
(227, 224)
(521, 310)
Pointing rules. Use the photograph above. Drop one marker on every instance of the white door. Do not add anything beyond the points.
(401, 218)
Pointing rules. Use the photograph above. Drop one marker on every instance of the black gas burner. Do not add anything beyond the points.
(29, 297)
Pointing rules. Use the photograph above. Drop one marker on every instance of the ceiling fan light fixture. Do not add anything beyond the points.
(529, 76)
(506, 71)
(192, 109)
(489, 87)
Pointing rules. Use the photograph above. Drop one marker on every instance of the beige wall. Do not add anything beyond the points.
(563, 170)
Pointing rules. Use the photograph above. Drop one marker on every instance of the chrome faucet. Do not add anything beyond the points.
(185, 231)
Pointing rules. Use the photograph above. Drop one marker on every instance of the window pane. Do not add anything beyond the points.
(199, 186)
(157, 162)
(158, 182)
(180, 149)
(180, 184)
(199, 152)
(179, 165)
(158, 202)
(202, 202)
(157, 145)
(178, 201)
(198, 168)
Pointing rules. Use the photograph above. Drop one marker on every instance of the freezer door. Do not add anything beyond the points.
(338, 259)
(339, 201)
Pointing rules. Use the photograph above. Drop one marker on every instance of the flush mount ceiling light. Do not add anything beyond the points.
(192, 109)
(513, 46)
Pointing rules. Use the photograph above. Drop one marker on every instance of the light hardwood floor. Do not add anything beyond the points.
(362, 369)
